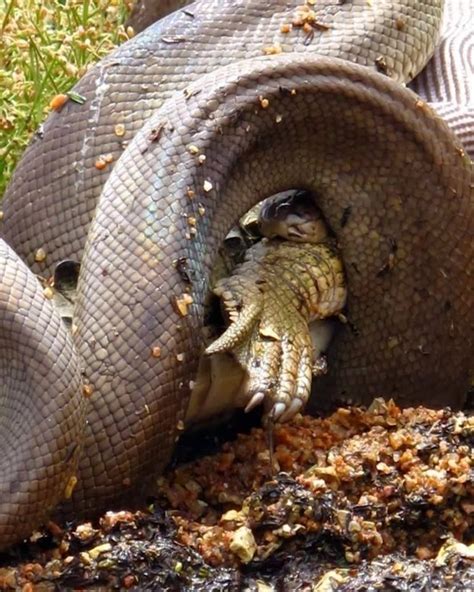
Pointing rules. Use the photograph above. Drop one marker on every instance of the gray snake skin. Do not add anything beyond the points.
(394, 183)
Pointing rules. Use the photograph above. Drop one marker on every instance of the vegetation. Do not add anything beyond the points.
(45, 46)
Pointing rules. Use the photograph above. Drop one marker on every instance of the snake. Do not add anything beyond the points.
(275, 96)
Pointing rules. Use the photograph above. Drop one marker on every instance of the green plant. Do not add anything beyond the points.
(45, 47)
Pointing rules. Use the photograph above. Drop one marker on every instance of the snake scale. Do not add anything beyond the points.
(393, 181)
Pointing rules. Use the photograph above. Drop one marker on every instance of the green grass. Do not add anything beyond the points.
(45, 47)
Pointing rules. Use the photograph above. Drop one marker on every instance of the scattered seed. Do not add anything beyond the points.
(191, 194)
(264, 103)
(306, 17)
(192, 221)
(279, 118)
(40, 255)
(100, 163)
(202, 158)
(57, 102)
(182, 303)
(180, 357)
(119, 130)
(201, 210)
(192, 149)
(285, 28)
(156, 351)
(48, 293)
(272, 49)
(87, 390)
(207, 186)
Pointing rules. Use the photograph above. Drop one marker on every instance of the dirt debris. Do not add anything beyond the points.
(361, 500)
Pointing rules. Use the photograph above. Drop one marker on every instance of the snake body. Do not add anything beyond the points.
(394, 183)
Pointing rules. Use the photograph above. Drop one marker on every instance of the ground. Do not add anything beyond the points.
(361, 500)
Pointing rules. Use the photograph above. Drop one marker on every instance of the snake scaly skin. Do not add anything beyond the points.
(393, 182)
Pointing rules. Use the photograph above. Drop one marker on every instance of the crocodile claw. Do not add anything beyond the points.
(269, 302)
